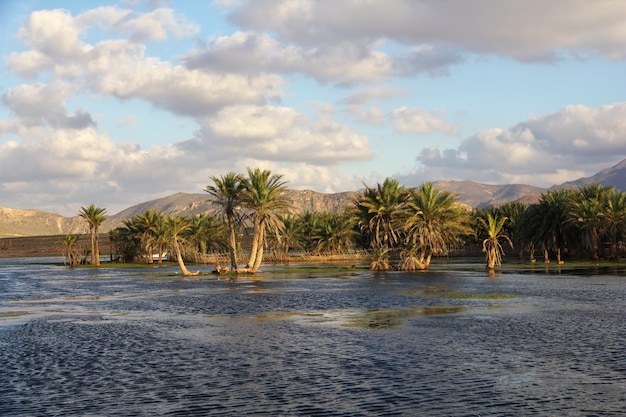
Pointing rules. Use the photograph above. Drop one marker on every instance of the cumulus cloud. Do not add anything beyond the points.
(119, 67)
(574, 142)
(281, 134)
(41, 104)
(249, 52)
(413, 120)
(527, 30)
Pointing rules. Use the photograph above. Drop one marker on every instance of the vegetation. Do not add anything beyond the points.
(400, 228)
(494, 228)
(70, 250)
(94, 216)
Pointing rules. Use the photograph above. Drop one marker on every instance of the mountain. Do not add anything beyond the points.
(614, 176)
(479, 195)
(183, 204)
(18, 223)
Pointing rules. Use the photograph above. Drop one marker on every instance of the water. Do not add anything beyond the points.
(144, 342)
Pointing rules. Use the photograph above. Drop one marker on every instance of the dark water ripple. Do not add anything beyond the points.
(141, 343)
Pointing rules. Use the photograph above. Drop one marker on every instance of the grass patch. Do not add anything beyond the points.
(9, 314)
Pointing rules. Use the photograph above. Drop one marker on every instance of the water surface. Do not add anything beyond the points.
(135, 342)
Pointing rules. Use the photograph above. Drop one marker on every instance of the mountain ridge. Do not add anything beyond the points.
(23, 223)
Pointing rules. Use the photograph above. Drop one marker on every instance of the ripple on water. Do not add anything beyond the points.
(117, 344)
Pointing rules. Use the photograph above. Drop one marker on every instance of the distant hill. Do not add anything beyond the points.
(183, 204)
(479, 195)
(614, 176)
(20, 223)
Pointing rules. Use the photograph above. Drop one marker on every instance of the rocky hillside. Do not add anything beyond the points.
(18, 223)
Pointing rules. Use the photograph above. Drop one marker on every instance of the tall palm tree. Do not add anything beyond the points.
(176, 226)
(94, 216)
(264, 196)
(434, 221)
(493, 226)
(379, 211)
(227, 193)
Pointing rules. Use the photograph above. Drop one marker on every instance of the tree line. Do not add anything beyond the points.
(400, 227)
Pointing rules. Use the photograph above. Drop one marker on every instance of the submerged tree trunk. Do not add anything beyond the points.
(491, 258)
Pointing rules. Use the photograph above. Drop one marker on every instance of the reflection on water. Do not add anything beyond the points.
(145, 342)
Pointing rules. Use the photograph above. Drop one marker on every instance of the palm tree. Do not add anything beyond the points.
(160, 237)
(126, 244)
(378, 212)
(335, 232)
(227, 192)
(71, 253)
(380, 261)
(308, 224)
(614, 219)
(176, 226)
(147, 224)
(434, 221)
(493, 226)
(94, 216)
(514, 212)
(264, 196)
(289, 234)
(587, 210)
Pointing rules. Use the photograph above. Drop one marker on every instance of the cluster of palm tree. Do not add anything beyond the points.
(390, 221)
(257, 199)
(415, 223)
(589, 222)
(94, 216)
(185, 237)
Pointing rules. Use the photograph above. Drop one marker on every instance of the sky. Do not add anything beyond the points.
(115, 103)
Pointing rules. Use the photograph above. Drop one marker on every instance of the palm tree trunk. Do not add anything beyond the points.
(232, 247)
(97, 241)
(149, 251)
(181, 264)
(255, 246)
(93, 246)
(259, 255)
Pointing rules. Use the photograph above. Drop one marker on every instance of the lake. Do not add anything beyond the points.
(310, 342)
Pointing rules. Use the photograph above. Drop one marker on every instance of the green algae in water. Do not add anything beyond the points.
(388, 318)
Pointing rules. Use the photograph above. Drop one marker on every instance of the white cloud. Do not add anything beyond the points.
(525, 30)
(155, 25)
(253, 53)
(120, 68)
(576, 141)
(281, 134)
(39, 104)
(413, 120)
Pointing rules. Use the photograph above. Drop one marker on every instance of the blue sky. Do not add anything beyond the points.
(115, 103)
